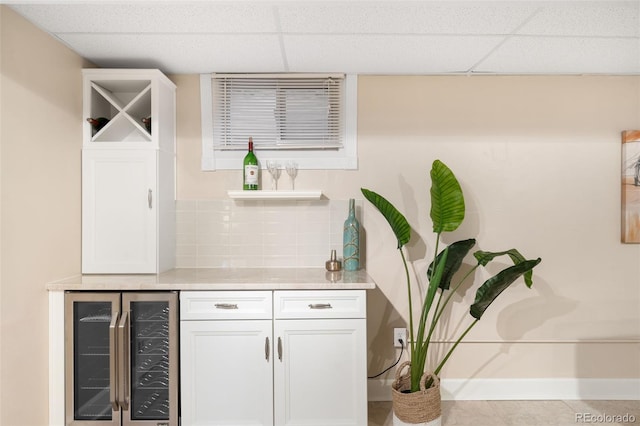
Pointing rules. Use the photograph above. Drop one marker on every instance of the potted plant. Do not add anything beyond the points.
(447, 213)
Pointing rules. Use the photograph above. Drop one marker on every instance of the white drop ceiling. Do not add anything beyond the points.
(364, 37)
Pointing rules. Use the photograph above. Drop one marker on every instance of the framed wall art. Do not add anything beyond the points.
(631, 186)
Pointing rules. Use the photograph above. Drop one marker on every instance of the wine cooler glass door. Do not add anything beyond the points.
(152, 355)
(91, 390)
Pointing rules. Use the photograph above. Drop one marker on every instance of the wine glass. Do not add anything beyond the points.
(292, 171)
(274, 171)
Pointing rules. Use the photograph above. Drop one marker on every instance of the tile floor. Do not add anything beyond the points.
(524, 413)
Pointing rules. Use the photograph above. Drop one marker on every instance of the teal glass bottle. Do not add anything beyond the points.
(351, 240)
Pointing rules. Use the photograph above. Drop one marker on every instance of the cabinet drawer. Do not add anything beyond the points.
(202, 305)
(320, 304)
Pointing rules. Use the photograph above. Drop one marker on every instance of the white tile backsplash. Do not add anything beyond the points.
(231, 233)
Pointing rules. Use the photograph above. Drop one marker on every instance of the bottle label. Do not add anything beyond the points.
(251, 174)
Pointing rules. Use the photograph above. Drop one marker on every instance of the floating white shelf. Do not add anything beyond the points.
(275, 195)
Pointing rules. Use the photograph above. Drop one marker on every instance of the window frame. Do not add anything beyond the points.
(345, 158)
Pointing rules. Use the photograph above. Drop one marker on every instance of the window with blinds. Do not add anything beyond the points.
(279, 112)
(307, 118)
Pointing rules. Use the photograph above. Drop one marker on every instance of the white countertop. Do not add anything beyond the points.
(222, 279)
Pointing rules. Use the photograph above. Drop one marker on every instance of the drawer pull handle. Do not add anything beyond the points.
(320, 306)
(226, 306)
(280, 349)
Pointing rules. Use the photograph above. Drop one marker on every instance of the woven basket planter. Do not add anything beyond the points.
(416, 408)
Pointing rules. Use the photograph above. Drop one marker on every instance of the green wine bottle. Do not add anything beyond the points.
(250, 169)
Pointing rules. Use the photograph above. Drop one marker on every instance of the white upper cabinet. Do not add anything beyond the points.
(133, 107)
(128, 172)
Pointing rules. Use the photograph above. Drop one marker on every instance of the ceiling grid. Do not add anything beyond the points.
(350, 36)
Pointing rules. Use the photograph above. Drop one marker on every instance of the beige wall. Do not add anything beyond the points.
(539, 161)
(41, 100)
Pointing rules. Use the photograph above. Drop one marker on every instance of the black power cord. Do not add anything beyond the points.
(392, 365)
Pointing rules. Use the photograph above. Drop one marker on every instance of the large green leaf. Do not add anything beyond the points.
(447, 201)
(396, 220)
(491, 289)
(457, 252)
(484, 257)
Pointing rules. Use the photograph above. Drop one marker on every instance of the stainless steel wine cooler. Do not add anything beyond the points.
(121, 358)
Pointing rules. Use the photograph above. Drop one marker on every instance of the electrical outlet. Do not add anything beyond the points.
(399, 334)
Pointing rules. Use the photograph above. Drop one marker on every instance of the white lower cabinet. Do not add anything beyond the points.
(301, 363)
(321, 378)
(226, 377)
(226, 358)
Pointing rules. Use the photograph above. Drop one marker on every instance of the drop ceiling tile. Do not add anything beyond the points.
(404, 17)
(381, 54)
(158, 17)
(184, 54)
(386, 36)
(565, 55)
(604, 19)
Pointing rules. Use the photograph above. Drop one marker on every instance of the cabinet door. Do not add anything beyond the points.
(226, 373)
(320, 372)
(119, 218)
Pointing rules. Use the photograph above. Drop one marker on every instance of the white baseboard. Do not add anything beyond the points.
(523, 389)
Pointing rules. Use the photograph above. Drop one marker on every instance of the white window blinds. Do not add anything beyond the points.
(279, 111)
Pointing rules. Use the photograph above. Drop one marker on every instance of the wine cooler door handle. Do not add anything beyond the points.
(150, 198)
(267, 348)
(280, 349)
(123, 361)
(113, 362)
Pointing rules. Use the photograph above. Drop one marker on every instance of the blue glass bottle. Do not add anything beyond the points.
(351, 240)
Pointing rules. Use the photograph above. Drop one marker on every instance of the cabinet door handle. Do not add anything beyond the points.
(320, 306)
(280, 349)
(226, 305)
(150, 198)
(113, 362)
(266, 348)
